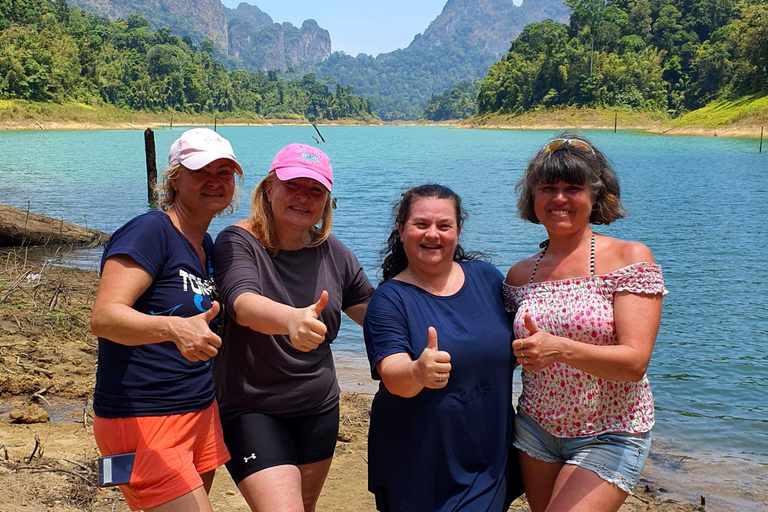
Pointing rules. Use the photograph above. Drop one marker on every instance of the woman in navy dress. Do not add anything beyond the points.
(439, 339)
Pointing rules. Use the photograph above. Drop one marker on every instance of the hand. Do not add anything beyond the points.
(305, 331)
(194, 338)
(537, 350)
(433, 367)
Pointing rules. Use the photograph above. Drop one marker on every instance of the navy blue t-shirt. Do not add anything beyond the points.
(443, 449)
(155, 379)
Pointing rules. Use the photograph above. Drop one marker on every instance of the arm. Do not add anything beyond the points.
(636, 319)
(357, 312)
(122, 282)
(264, 315)
(405, 377)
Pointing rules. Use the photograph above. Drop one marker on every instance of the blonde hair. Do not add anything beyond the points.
(261, 223)
(166, 194)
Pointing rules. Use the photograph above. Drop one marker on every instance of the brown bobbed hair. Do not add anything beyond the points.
(576, 166)
(261, 223)
(166, 194)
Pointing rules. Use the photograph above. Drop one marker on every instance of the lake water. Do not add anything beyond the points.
(696, 202)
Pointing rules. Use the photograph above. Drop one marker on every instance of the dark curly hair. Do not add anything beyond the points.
(574, 165)
(395, 260)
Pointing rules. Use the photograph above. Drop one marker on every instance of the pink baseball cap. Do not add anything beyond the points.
(198, 147)
(303, 161)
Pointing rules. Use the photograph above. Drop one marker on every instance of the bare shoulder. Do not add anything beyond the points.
(620, 253)
(520, 273)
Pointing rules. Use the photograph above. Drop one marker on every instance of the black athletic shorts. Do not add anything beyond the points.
(258, 441)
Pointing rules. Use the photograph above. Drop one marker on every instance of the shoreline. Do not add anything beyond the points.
(53, 360)
(751, 132)
(644, 123)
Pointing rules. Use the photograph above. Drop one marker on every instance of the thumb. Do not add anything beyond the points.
(211, 313)
(432, 338)
(530, 325)
(319, 306)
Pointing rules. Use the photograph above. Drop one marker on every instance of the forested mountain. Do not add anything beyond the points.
(244, 37)
(196, 19)
(459, 45)
(669, 55)
(50, 52)
(459, 102)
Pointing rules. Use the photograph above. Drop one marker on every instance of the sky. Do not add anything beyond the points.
(357, 26)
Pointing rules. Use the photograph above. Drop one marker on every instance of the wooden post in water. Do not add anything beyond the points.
(615, 121)
(761, 139)
(171, 125)
(149, 149)
(214, 123)
(318, 132)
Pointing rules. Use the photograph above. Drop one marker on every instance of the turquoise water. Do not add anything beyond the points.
(696, 202)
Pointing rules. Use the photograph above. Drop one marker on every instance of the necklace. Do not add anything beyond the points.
(435, 292)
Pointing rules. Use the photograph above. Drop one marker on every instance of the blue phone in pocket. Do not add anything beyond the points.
(116, 469)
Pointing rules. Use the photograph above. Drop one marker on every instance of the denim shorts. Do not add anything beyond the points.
(617, 457)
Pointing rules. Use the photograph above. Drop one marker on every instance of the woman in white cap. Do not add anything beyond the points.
(154, 392)
(284, 280)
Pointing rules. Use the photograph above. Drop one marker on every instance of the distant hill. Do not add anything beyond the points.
(255, 42)
(244, 37)
(459, 45)
(487, 24)
(196, 19)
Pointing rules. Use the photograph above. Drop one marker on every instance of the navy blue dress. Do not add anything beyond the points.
(446, 449)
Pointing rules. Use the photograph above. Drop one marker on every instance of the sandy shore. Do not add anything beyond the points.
(48, 360)
(160, 124)
(553, 121)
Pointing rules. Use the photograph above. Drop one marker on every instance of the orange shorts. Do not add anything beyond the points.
(171, 452)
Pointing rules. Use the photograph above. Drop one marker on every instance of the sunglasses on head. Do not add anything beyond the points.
(555, 144)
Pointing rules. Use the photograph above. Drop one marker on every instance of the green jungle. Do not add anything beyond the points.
(668, 57)
(53, 53)
(671, 56)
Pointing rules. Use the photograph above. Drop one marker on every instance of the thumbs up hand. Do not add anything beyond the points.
(194, 338)
(305, 330)
(536, 351)
(433, 368)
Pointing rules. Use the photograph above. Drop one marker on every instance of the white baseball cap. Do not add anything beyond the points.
(198, 147)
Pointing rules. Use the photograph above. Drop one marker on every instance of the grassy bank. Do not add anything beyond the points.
(742, 117)
(569, 118)
(30, 115)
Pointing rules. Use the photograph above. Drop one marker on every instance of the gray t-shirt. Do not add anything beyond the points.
(256, 372)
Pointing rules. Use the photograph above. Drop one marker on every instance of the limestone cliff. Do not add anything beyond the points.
(258, 43)
(245, 34)
(487, 24)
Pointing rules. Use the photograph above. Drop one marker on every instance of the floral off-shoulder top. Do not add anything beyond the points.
(572, 403)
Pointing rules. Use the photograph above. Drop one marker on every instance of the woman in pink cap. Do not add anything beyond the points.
(154, 399)
(284, 280)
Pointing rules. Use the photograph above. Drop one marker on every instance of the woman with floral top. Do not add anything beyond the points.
(586, 314)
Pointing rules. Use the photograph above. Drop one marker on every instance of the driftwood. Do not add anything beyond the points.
(22, 227)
